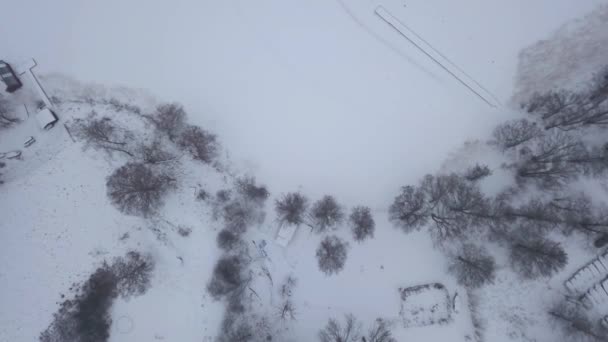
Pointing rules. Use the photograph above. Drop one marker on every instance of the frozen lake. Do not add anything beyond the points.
(318, 94)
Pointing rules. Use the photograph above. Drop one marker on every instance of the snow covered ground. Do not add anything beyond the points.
(336, 86)
(317, 95)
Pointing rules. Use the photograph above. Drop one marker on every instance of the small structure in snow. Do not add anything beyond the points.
(46, 118)
(29, 142)
(285, 234)
(9, 77)
(424, 305)
(583, 279)
(597, 295)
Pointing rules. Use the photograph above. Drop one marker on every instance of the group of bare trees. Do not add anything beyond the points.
(575, 323)
(103, 134)
(570, 110)
(453, 209)
(139, 187)
(323, 216)
(87, 317)
(351, 331)
(238, 209)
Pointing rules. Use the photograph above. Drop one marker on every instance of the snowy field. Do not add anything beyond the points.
(328, 79)
(342, 106)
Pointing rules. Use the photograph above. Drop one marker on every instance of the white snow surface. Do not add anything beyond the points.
(321, 93)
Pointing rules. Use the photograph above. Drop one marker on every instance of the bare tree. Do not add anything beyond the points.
(134, 272)
(513, 133)
(362, 223)
(287, 310)
(7, 116)
(409, 210)
(326, 213)
(135, 189)
(288, 286)
(575, 324)
(331, 255)
(201, 145)
(290, 208)
(455, 205)
(473, 266)
(170, 118)
(379, 332)
(568, 110)
(534, 257)
(103, 134)
(336, 332)
(245, 327)
(247, 187)
(234, 329)
(227, 276)
(228, 240)
(551, 161)
(451, 203)
(567, 214)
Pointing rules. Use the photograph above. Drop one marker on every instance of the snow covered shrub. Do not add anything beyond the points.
(234, 329)
(537, 257)
(183, 230)
(245, 328)
(154, 152)
(170, 119)
(290, 208)
(477, 172)
(362, 223)
(7, 116)
(336, 332)
(202, 195)
(227, 276)
(87, 316)
(135, 189)
(331, 255)
(239, 214)
(248, 188)
(103, 134)
(133, 272)
(288, 286)
(228, 240)
(513, 133)
(199, 143)
(2, 165)
(473, 266)
(326, 213)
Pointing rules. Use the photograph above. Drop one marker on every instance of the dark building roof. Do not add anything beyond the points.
(9, 77)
